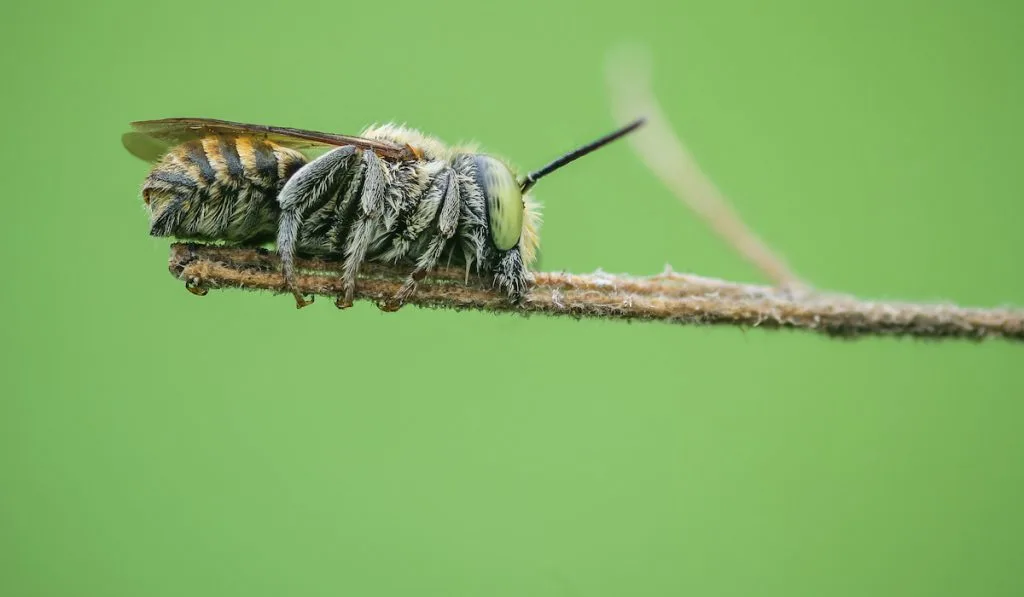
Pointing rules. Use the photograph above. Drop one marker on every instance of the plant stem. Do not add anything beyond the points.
(669, 297)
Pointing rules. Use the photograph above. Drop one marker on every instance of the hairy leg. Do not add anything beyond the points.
(420, 219)
(371, 204)
(511, 274)
(447, 223)
(304, 192)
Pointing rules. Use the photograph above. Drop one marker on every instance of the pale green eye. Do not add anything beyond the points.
(504, 201)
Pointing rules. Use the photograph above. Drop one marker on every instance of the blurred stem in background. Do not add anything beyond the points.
(629, 78)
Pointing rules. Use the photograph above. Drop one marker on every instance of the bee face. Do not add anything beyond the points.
(504, 201)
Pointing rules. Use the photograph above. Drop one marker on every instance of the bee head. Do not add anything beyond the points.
(504, 198)
(504, 194)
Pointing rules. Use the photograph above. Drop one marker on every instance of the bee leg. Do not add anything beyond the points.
(417, 221)
(447, 223)
(511, 275)
(305, 192)
(423, 265)
(371, 204)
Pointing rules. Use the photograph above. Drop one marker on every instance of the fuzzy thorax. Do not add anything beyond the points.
(434, 149)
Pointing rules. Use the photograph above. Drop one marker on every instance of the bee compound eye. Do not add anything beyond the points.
(503, 199)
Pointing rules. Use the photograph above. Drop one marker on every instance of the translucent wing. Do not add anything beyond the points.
(150, 139)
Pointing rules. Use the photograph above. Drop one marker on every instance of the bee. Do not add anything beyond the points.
(390, 195)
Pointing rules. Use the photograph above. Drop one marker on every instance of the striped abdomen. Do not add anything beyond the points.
(219, 188)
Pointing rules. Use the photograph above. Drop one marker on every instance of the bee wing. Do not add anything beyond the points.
(150, 139)
(144, 147)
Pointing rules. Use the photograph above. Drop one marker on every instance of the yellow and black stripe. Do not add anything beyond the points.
(215, 186)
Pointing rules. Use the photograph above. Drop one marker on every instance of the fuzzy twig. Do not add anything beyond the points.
(670, 296)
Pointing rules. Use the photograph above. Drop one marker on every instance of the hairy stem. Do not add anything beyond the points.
(629, 78)
(669, 297)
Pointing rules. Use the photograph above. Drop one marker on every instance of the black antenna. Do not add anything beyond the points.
(531, 179)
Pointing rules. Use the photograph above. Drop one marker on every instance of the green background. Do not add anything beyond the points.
(155, 443)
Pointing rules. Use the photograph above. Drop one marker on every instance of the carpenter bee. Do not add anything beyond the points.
(391, 194)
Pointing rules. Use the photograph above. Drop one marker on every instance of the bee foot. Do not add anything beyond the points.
(343, 302)
(389, 305)
(395, 303)
(301, 301)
